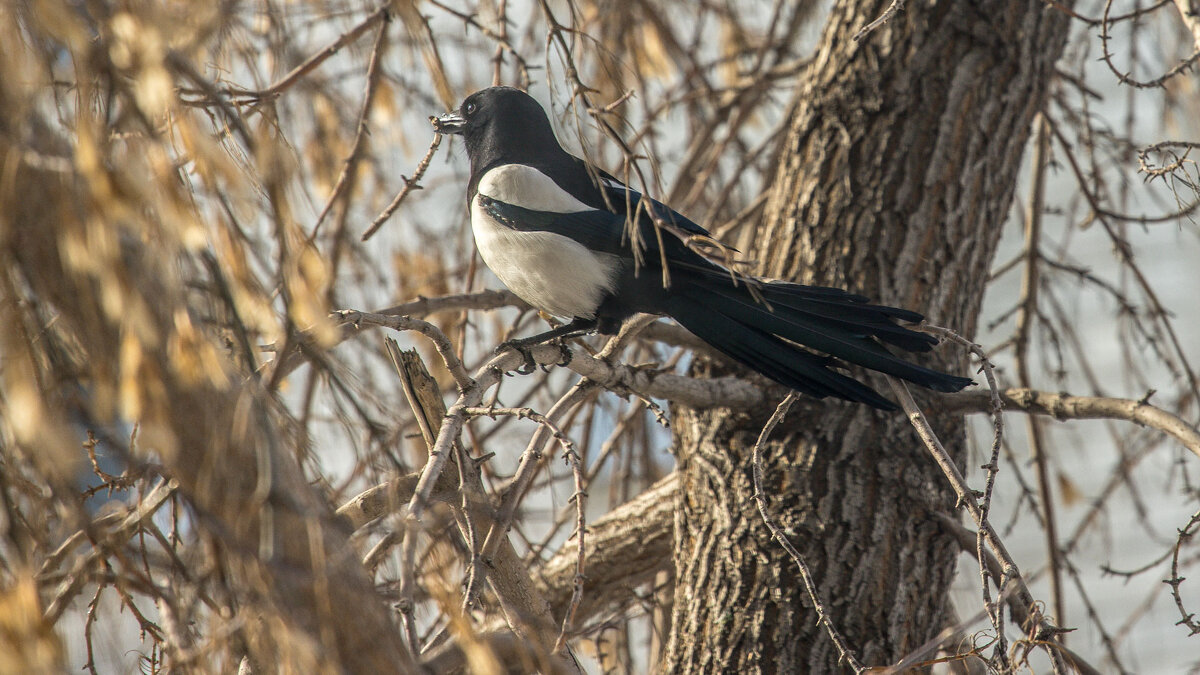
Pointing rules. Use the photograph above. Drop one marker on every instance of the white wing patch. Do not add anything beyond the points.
(555, 274)
(525, 186)
(616, 184)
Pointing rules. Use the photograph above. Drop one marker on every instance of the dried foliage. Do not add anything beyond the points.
(205, 464)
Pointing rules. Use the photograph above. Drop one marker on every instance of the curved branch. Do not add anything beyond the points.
(440, 341)
(1067, 407)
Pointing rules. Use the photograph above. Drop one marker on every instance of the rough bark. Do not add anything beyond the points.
(895, 178)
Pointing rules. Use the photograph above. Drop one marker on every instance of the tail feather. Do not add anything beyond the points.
(764, 353)
(851, 311)
(761, 334)
(837, 298)
(842, 339)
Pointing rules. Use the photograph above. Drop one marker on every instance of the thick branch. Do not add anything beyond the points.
(625, 549)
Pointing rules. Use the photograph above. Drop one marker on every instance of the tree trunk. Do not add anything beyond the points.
(896, 177)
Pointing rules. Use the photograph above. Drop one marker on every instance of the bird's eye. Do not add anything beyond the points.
(470, 108)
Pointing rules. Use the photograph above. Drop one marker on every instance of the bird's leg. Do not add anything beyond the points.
(522, 345)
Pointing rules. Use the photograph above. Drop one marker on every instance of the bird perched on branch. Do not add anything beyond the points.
(557, 232)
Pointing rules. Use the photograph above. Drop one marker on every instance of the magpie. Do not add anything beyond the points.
(554, 230)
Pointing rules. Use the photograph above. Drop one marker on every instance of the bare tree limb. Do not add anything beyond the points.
(1039, 628)
(741, 393)
(625, 548)
(1067, 407)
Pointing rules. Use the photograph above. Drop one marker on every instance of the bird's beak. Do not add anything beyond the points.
(449, 123)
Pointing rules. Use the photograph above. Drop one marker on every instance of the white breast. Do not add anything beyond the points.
(555, 274)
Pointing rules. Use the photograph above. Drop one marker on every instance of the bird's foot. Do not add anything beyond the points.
(522, 347)
(566, 354)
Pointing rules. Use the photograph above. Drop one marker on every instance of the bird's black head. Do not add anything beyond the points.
(501, 125)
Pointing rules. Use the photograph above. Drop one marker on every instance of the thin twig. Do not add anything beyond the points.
(311, 63)
(991, 470)
(346, 178)
(805, 574)
(410, 184)
(892, 9)
(1125, 78)
(580, 499)
(530, 463)
(1042, 630)
(1027, 311)
(1185, 534)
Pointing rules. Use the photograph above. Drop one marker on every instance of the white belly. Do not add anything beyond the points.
(555, 274)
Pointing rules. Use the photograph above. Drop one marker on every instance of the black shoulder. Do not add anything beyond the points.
(622, 199)
(599, 189)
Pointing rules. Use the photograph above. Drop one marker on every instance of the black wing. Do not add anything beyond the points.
(599, 230)
(623, 199)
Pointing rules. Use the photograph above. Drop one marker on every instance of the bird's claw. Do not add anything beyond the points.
(528, 365)
(526, 351)
(566, 354)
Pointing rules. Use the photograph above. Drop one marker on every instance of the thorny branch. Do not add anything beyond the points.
(806, 576)
(1175, 581)
(1040, 630)
(410, 184)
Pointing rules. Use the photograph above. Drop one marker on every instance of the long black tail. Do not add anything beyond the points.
(762, 332)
